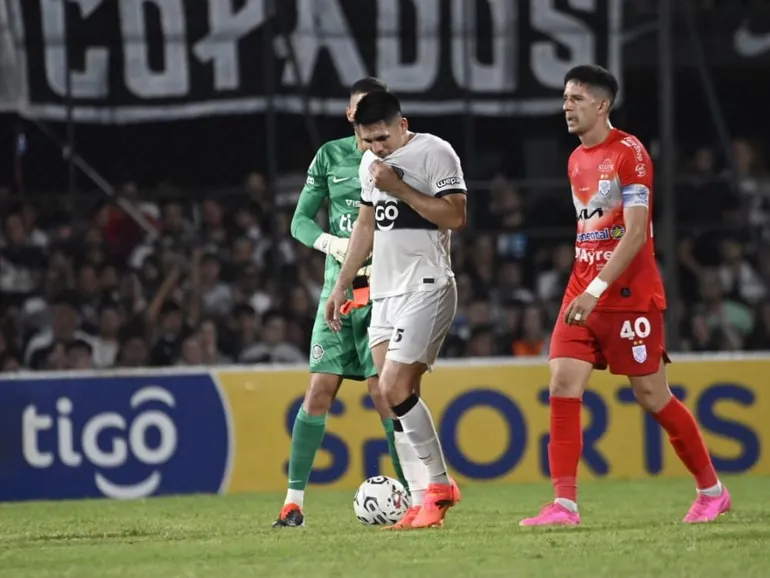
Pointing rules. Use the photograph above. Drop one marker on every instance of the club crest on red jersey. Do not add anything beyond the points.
(640, 353)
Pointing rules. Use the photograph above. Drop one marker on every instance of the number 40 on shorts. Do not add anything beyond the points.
(639, 328)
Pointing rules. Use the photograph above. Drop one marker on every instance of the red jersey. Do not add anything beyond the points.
(606, 179)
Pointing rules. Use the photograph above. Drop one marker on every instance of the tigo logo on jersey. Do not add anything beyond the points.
(386, 215)
(116, 437)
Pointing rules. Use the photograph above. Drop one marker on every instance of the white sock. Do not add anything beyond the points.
(421, 433)
(295, 497)
(414, 471)
(569, 504)
(713, 491)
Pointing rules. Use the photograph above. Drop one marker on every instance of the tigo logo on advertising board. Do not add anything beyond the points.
(119, 437)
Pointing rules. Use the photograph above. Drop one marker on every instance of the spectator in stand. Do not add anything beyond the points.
(481, 342)
(534, 336)
(191, 351)
(273, 347)
(22, 261)
(718, 323)
(106, 344)
(552, 282)
(211, 351)
(133, 350)
(170, 332)
(510, 283)
(740, 281)
(79, 355)
(65, 327)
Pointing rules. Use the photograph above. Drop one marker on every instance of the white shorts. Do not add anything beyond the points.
(414, 323)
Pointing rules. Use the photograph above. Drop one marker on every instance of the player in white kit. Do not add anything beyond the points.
(413, 194)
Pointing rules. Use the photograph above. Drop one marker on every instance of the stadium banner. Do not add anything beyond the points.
(160, 60)
(493, 421)
(175, 432)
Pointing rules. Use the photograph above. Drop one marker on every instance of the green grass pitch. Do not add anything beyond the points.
(630, 529)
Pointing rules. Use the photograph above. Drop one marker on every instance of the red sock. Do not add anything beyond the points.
(684, 434)
(565, 446)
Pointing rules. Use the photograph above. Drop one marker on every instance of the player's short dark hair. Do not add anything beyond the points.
(594, 76)
(367, 85)
(378, 106)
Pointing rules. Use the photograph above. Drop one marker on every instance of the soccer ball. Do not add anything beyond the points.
(380, 500)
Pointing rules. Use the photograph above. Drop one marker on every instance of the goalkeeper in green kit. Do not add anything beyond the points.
(333, 177)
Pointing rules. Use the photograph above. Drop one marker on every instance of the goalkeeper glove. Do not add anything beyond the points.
(360, 291)
(331, 245)
(365, 272)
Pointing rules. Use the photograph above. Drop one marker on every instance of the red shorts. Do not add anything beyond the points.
(630, 343)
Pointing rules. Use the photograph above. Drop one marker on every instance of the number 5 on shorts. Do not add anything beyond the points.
(639, 330)
(397, 335)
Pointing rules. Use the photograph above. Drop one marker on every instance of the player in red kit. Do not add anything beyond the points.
(612, 313)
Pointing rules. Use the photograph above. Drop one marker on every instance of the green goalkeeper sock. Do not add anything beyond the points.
(388, 425)
(306, 438)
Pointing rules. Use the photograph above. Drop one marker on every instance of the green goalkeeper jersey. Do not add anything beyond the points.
(332, 177)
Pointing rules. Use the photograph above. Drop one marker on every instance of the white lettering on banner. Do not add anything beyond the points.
(174, 79)
(498, 76)
(92, 81)
(570, 36)
(226, 28)
(211, 57)
(120, 447)
(322, 24)
(423, 72)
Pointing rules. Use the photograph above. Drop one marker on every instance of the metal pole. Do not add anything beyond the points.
(719, 120)
(69, 150)
(104, 185)
(469, 16)
(307, 113)
(271, 131)
(667, 176)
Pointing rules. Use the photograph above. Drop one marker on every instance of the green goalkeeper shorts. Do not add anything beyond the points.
(345, 353)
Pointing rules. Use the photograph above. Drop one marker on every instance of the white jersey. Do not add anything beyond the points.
(411, 253)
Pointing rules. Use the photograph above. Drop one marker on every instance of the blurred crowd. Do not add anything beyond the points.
(220, 280)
